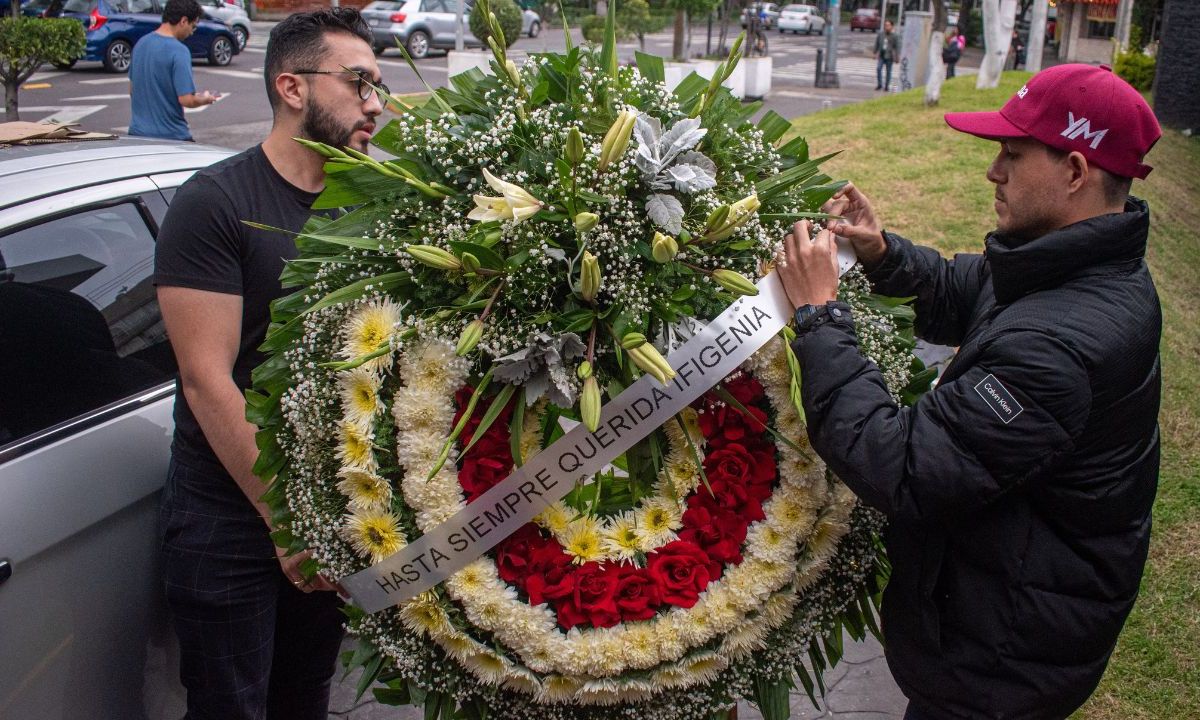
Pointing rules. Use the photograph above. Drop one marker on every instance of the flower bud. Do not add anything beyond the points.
(470, 263)
(511, 68)
(584, 371)
(589, 277)
(734, 282)
(469, 338)
(585, 221)
(434, 257)
(616, 140)
(664, 249)
(574, 146)
(633, 340)
(652, 362)
(738, 214)
(716, 218)
(589, 404)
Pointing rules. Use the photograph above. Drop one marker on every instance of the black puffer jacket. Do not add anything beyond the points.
(1019, 490)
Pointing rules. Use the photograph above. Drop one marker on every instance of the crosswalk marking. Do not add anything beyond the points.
(231, 73)
(105, 81)
(115, 96)
(64, 114)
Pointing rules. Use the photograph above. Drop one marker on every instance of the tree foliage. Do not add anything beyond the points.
(26, 43)
(507, 13)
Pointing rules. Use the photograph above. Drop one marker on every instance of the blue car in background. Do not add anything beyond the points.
(113, 27)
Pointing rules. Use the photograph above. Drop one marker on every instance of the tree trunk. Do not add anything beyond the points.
(937, 68)
(16, 8)
(1037, 37)
(677, 44)
(10, 101)
(999, 17)
(730, 5)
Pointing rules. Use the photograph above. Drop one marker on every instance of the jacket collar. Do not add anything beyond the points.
(1020, 267)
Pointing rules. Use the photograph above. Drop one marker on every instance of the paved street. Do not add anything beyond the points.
(100, 100)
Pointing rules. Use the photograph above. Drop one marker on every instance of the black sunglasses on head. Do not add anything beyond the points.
(366, 86)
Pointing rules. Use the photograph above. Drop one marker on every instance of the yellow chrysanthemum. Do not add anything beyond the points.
(368, 328)
(657, 520)
(744, 640)
(583, 540)
(488, 667)
(703, 668)
(555, 518)
(359, 390)
(457, 644)
(621, 537)
(366, 490)
(531, 431)
(355, 450)
(558, 688)
(424, 615)
(522, 681)
(641, 645)
(374, 533)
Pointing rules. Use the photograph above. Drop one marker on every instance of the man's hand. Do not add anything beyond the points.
(810, 272)
(858, 224)
(291, 568)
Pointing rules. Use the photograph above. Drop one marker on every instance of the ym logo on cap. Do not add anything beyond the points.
(1075, 128)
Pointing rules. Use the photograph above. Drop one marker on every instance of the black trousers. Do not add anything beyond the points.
(253, 647)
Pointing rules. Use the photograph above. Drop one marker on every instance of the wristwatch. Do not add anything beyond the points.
(809, 317)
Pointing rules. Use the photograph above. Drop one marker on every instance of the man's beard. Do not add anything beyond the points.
(321, 126)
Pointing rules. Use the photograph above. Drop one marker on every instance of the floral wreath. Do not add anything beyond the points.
(441, 336)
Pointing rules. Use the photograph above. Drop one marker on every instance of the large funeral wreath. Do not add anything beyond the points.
(544, 236)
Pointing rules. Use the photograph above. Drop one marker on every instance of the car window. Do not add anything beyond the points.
(139, 6)
(431, 6)
(80, 6)
(79, 318)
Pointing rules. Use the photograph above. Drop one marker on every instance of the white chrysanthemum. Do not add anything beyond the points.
(556, 518)
(671, 676)
(373, 533)
(746, 589)
(641, 645)
(789, 514)
(366, 490)
(427, 520)
(670, 644)
(681, 473)
(355, 448)
(424, 615)
(417, 452)
(694, 625)
(822, 544)
(457, 644)
(721, 609)
(764, 542)
(359, 390)
(558, 689)
(488, 667)
(369, 328)
(583, 540)
(522, 681)
(622, 541)
(418, 410)
(612, 692)
(657, 520)
(745, 639)
(420, 493)
(434, 367)
(703, 668)
(778, 608)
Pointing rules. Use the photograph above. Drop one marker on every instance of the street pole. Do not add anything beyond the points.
(1124, 19)
(831, 43)
(1037, 36)
(458, 27)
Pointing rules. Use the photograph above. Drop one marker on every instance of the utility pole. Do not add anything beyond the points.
(831, 43)
(1124, 20)
(458, 27)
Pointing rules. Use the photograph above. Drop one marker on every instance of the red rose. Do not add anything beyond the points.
(515, 555)
(719, 534)
(593, 598)
(550, 575)
(680, 569)
(742, 464)
(723, 424)
(489, 462)
(732, 497)
(638, 596)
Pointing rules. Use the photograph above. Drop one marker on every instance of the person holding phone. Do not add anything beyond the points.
(160, 77)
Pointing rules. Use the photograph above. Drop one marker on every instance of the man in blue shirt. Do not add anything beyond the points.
(160, 78)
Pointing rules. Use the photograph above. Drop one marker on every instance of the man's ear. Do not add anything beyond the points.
(1077, 166)
(292, 90)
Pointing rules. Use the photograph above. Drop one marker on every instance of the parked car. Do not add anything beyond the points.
(864, 19)
(113, 27)
(768, 12)
(85, 429)
(801, 19)
(233, 14)
(424, 25)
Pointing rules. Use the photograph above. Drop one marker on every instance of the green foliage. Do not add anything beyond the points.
(1136, 68)
(592, 27)
(26, 43)
(506, 12)
(634, 20)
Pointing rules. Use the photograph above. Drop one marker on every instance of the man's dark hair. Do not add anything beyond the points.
(1116, 188)
(298, 42)
(178, 10)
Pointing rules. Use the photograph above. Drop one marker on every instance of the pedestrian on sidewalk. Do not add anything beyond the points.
(160, 76)
(1018, 491)
(887, 49)
(258, 637)
(952, 51)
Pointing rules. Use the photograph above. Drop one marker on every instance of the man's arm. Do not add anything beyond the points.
(1004, 422)
(195, 100)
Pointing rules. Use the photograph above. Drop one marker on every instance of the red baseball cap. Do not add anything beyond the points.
(1075, 107)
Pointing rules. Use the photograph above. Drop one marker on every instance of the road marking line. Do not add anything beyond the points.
(36, 86)
(231, 73)
(105, 81)
(64, 114)
(40, 76)
(118, 96)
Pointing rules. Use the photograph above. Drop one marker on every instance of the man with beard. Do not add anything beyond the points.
(1018, 491)
(258, 638)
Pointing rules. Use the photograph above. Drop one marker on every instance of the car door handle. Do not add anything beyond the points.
(5, 570)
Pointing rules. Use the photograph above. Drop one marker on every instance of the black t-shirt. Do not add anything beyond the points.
(204, 245)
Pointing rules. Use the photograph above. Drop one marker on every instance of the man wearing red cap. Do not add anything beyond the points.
(1019, 490)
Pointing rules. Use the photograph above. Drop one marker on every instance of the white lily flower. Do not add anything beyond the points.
(515, 202)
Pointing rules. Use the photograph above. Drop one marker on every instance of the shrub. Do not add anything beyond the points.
(1136, 68)
(507, 13)
(26, 43)
(592, 27)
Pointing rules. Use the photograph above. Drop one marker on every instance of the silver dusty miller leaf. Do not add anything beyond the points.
(666, 212)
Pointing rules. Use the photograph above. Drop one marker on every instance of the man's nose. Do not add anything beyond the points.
(994, 173)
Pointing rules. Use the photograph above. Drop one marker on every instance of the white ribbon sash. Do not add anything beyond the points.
(700, 363)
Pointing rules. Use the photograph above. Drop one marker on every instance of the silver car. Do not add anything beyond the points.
(424, 25)
(85, 429)
(233, 14)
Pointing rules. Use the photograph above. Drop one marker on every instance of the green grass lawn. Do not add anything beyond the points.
(927, 183)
